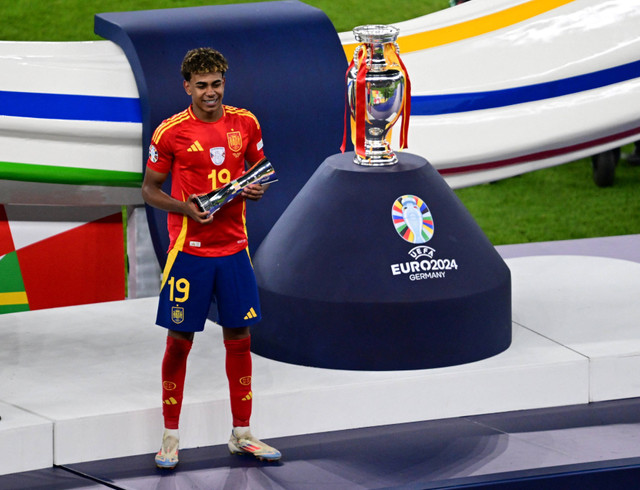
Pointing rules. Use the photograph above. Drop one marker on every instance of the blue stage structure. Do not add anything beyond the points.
(349, 280)
(286, 65)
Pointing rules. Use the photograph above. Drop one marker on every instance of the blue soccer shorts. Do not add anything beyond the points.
(191, 283)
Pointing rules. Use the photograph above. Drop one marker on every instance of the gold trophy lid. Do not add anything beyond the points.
(376, 34)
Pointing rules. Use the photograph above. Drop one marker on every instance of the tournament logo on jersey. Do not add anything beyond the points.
(177, 314)
(153, 153)
(412, 219)
(217, 155)
(234, 139)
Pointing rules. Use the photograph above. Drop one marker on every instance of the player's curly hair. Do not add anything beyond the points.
(203, 60)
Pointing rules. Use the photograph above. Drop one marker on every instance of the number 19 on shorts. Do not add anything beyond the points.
(179, 289)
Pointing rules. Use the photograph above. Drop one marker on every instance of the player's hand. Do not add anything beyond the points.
(193, 211)
(254, 192)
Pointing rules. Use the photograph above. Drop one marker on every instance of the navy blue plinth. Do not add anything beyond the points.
(341, 288)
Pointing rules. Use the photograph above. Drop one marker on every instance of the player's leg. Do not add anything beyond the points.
(239, 373)
(238, 365)
(239, 308)
(182, 309)
(174, 369)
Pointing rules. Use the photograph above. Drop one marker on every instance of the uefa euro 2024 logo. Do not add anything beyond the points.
(412, 219)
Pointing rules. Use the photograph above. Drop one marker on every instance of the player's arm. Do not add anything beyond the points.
(254, 154)
(254, 192)
(153, 195)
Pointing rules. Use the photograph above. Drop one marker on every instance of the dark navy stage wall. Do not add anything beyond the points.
(286, 65)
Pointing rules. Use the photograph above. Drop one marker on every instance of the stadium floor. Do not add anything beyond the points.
(577, 412)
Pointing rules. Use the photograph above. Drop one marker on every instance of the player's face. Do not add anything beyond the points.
(206, 91)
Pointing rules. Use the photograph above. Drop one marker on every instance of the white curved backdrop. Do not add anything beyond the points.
(502, 87)
(70, 124)
(499, 88)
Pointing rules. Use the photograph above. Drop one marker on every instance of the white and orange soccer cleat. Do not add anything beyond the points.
(248, 444)
(167, 457)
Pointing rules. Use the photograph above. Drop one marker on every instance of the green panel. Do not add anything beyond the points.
(13, 308)
(10, 273)
(11, 282)
(29, 172)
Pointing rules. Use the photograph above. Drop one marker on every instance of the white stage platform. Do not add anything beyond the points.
(83, 383)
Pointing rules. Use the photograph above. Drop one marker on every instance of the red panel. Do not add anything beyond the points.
(6, 241)
(80, 266)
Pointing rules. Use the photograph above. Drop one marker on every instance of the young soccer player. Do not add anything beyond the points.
(204, 147)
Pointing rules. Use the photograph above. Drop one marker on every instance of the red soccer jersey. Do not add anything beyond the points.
(203, 156)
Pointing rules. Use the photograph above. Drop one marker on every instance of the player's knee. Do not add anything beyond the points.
(176, 334)
(236, 333)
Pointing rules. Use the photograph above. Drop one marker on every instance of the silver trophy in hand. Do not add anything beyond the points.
(261, 173)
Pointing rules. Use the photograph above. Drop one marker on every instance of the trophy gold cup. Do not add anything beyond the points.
(378, 93)
(261, 173)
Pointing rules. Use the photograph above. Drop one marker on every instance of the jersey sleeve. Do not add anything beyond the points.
(255, 151)
(160, 152)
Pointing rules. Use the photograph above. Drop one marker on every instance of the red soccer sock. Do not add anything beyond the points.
(238, 366)
(174, 369)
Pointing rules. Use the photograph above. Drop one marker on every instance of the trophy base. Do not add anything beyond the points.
(381, 159)
(201, 203)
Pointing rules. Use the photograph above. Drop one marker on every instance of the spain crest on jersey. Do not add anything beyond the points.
(217, 155)
(177, 314)
(234, 139)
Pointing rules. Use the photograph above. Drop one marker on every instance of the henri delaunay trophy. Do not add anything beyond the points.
(379, 92)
